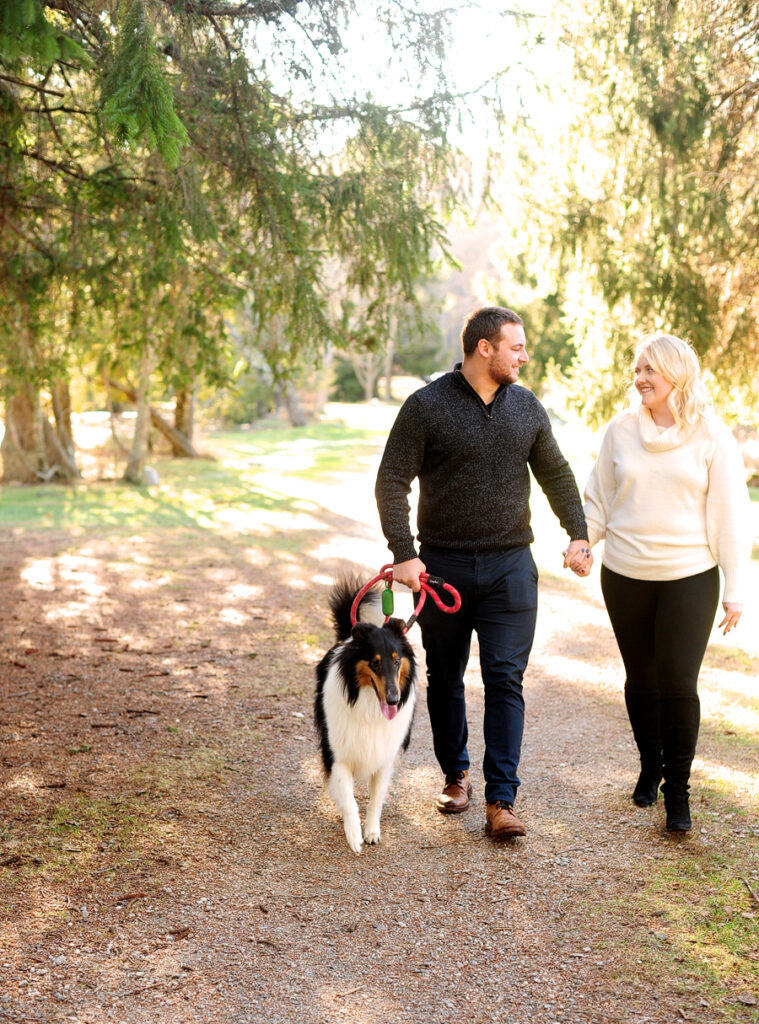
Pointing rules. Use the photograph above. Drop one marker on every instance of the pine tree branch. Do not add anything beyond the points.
(314, 45)
(62, 109)
(54, 164)
(322, 112)
(412, 13)
(749, 87)
(235, 98)
(81, 16)
(31, 85)
(25, 238)
(219, 9)
(57, 165)
(57, 134)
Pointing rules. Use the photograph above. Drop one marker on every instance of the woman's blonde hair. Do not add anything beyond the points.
(677, 362)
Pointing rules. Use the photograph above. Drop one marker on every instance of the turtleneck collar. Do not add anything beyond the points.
(656, 439)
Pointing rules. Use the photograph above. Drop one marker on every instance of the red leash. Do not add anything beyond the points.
(386, 574)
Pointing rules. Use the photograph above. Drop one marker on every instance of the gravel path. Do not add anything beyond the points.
(187, 868)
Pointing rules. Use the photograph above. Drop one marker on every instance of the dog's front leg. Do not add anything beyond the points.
(378, 787)
(341, 791)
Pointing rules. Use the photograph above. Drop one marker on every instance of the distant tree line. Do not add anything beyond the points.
(191, 188)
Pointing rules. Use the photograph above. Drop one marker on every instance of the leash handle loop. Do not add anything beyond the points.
(427, 582)
(436, 581)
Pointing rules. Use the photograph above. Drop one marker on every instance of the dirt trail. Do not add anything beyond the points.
(168, 854)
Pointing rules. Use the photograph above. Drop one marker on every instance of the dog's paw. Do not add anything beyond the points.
(353, 835)
(372, 837)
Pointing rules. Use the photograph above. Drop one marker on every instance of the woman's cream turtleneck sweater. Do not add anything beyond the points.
(670, 505)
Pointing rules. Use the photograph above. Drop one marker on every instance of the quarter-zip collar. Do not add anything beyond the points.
(461, 381)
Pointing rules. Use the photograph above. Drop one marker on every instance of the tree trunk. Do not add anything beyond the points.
(286, 395)
(389, 353)
(31, 449)
(176, 439)
(366, 366)
(62, 413)
(59, 440)
(23, 446)
(112, 416)
(184, 423)
(135, 468)
(59, 460)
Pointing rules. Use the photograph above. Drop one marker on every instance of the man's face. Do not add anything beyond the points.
(508, 354)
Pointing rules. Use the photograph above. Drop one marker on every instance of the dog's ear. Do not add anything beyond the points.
(361, 630)
(397, 627)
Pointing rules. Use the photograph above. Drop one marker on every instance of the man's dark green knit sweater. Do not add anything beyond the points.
(471, 461)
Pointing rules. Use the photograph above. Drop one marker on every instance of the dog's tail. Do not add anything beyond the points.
(341, 599)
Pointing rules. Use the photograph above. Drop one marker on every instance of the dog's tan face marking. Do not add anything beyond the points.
(369, 673)
(364, 674)
(404, 673)
(367, 676)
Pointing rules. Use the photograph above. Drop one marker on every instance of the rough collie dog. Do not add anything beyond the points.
(364, 704)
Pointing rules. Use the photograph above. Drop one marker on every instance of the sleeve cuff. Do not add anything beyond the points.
(404, 553)
(734, 591)
(595, 533)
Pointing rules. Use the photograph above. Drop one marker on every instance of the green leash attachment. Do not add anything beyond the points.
(388, 603)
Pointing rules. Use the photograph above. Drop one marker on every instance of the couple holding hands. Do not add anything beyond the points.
(668, 497)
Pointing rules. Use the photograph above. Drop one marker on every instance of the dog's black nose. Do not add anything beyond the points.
(392, 694)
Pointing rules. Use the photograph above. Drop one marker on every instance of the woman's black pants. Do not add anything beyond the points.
(662, 629)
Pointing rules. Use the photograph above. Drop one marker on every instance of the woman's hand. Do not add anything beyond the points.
(732, 614)
(578, 558)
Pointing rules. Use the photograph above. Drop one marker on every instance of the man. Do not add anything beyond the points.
(469, 437)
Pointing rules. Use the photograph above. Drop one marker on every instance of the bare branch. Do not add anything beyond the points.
(25, 238)
(31, 85)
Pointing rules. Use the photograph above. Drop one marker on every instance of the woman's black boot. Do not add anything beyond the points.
(678, 810)
(647, 787)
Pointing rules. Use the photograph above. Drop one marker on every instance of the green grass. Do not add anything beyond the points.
(703, 906)
(67, 840)
(728, 736)
(695, 917)
(732, 659)
(186, 498)
(266, 437)
(192, 492)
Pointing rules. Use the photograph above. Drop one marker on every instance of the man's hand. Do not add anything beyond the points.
(578, 557)
(408, 572)
(732, 614)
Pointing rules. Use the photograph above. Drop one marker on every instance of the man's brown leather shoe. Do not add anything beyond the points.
(455, 796)
(501, 822)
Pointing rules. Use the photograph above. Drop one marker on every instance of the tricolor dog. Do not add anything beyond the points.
(364, 705)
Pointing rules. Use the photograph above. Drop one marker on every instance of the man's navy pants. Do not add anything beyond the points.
(499, 601)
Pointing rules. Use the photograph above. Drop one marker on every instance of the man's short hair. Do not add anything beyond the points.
(485, 323)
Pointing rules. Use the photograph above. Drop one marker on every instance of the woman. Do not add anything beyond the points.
(669, 497)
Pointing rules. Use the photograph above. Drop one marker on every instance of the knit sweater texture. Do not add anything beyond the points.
(472, 464)
(668, 504)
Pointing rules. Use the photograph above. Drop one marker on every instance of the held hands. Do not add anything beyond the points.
(578, 557)
(408, 572)
(732, 614)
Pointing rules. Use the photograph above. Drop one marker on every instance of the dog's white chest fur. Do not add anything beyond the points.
(360, 736)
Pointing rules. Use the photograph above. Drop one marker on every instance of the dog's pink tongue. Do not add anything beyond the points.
(389, 710)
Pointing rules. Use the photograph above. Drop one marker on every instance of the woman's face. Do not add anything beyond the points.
(652, 387)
